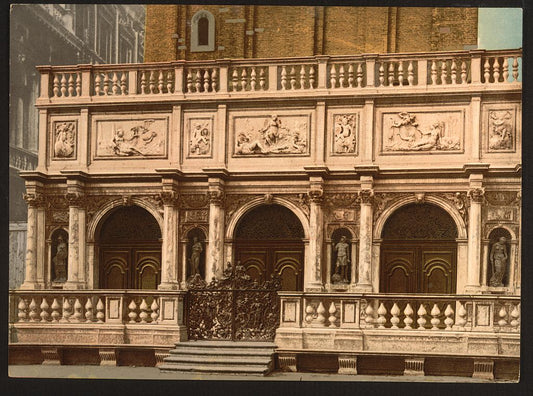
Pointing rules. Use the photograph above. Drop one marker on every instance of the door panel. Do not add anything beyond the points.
(438, 272)
(398, 273)
(114, 269)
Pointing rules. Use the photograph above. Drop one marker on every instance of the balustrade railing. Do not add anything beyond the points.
(92, 307)
(395, 312)
(327, 74)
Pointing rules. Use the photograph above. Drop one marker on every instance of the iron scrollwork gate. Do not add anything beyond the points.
(234, 307)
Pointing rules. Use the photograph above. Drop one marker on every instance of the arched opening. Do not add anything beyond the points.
(203, 31)
(499, 258)
(268, 240)
(129, 241)
(419, 251)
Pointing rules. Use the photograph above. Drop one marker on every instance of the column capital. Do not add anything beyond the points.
(366, 196)
(75, 198)
(476, 194)
(316, 196)
(216, 197)
(169, 197)
(34, 199)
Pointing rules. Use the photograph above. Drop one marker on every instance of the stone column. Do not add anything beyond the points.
(215, 252)
(366, 195)
(474, 240)
(313, 269)
(76, 241)
(35, 203)
(169, 249)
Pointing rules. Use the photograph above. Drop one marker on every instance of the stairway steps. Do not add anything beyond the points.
(219, 369)
(225, 352)
(222, 359)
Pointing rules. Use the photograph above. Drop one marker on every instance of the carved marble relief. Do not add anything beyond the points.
(271, 135)
(64, 139)
(501, 206)
(200, 133)
(57, 212)
(422, 132)
(131, 138)
(195, 216)
(345, 130)
(501, 130)
(341, 208)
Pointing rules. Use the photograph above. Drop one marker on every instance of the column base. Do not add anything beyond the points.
(73, 286)
(31, 286)
(476, 289)
(314, 287)
(358, 288)
(168, 286)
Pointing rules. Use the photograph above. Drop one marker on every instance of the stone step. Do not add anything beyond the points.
(226, 344)
(219, 368)
(216, 359)
(191, 350)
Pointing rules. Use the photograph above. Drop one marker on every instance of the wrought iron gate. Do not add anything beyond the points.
(233, 308)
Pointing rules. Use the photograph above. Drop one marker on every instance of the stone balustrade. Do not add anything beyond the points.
(323, 75)
(401, 312)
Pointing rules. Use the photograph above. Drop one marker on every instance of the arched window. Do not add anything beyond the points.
(202, 32)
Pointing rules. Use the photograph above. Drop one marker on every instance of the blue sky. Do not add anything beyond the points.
(499, 28)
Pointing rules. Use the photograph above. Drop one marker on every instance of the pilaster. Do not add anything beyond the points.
(215, 251)
(366, 197)
(476, 195)
(313, 268)
(169, 249)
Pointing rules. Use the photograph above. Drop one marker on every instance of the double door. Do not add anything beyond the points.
(418, 267)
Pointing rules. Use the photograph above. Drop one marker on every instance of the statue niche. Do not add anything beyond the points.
(341, 256)
(59, 255)
(195, 253)
(498, 267)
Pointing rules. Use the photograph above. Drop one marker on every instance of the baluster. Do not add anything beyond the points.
(44, 310)
(100, 311)
(262, 78)
(454, 72)
(253, 78)
(71, 85)
(302, 77)
(89, 310)
(55, 311)
(154, 307)
(369, 317)
(502, 322)
(293, 78)
(132, 314)
(381, 72)
(214, 80)
(433, 73)
(310, 313)
(332, 317)
(78, 84)
(410, 73)
(408, 312)
(463, 73)
(515, 68)
(143, 82)
(421, 319)
(435, 321)
(505, 70)
(486, 71)
(198, 81)
(160, 82)
(63, 85)
(106, 84)
(207, 80)
(449, 317)
(170, 79)
(123, 83)
(496, 70)
(444, 73)
(400, 73)
(351, 78)
(311, 77)
(144, 311)
(341, 76)
(114, 89)
(390, 77)
(66, 310)
(515, 317)
(382, 311)
(283, 78)
(235, 80)
(244, 79)
(34, 315)
(360, 74)
(333, 76)
(151, 81)
(321, 311)
(77, 311)
(395, 312)
(56, 86)
(461, 313)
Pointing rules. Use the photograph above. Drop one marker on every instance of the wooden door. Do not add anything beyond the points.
(418, 267)
(264, 258)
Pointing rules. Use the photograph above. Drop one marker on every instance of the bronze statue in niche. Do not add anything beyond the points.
(498, 261)
(195, 253)
(194, 260)
(340, 258)
(60, 256)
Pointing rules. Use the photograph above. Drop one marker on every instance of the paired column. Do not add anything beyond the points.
(476, 194)
(215, 249)
(169, 248)
(35, 203)
(313, 272)
(76, 240)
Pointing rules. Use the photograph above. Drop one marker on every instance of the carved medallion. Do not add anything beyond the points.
(501, 133)
(64, 139)
(345, 128)
(200, 132)
(271, 135)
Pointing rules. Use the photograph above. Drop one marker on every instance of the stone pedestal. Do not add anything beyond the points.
(287, 362)
(483, 369)
(347, 364)
(414, 366)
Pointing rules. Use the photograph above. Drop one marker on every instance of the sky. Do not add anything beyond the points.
(499, 28)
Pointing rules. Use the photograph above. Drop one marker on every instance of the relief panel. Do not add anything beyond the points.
(271, 135)
(422, 131)
(344, 131)
(199, 135)
(500, 129)
(63, 139)
(131, 137)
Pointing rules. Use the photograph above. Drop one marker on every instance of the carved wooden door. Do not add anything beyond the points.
(418, 267)
(261, 259)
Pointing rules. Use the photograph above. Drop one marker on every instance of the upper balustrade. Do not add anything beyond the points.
(247, 78)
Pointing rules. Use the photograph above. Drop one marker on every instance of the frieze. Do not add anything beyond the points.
(195, 216)
(271, 135)
(345, 131)
(130, 138)
(200, 133)
(64, 139)
(422, 132)
(501, 133)
(193, 201)
(501, 198)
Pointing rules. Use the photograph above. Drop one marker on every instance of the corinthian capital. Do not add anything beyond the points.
(169, 197)
(476, 194)
(75, 198)
(34, 199)
(316, 196)
(366, 196)
(216, 197)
